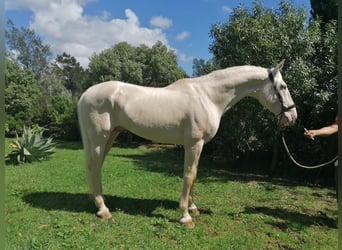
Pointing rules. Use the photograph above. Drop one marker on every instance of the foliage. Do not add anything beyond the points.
(30, 147)
(201, 67)
(161, 67)
(27, 48)
(47, 206)
(72, 72)
(326, 10)
(141, 65)
(51, 83)
(39, 90)
(22, 95)
(62, 84)
(63, 78)
(260, 36)
(64, 123)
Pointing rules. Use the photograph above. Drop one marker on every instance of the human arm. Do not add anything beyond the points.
(325, 131)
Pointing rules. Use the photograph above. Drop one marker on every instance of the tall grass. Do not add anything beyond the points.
(48, 206)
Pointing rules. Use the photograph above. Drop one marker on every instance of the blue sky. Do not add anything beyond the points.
(84, 27)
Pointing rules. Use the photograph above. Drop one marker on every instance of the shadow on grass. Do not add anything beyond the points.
(169, 162)
(291, 219)
(73, 145)
(83, 203)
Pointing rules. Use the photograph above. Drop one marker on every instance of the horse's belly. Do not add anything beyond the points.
(161, 135)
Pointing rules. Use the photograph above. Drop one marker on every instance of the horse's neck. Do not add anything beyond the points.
(226, 87)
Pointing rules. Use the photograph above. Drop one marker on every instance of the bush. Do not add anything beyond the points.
(30, 147)
(64, 122)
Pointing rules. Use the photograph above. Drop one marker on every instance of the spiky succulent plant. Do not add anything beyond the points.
(30, 147)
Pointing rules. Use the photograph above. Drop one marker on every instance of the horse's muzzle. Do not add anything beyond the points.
(288, 118)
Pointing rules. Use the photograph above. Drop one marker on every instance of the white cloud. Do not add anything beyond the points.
(105, 15)
(161, 22)
(227, 9)
(64, 26)
(181, 36)
(186, 58)
(183, 57)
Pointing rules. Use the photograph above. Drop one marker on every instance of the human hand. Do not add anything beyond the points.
(310, 134)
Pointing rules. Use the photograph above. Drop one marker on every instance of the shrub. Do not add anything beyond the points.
(30, 147)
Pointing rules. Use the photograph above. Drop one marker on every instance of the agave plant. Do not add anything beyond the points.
(31, 146)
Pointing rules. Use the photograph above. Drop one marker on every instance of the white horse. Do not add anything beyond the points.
(186, 112)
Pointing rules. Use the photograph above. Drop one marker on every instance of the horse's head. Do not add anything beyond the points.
(277, 97)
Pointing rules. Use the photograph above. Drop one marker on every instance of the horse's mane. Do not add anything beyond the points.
(255, 71)
(246, 71)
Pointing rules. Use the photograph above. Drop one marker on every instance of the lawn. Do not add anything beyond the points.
(48, 206)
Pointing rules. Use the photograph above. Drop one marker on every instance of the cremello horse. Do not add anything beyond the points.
(187, 112)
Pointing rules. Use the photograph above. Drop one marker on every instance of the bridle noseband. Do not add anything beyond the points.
(280, 98)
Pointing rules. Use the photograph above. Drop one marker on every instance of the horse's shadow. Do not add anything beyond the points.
(292, 219)
(62, 201)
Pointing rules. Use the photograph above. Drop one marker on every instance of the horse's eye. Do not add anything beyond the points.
(283, 87)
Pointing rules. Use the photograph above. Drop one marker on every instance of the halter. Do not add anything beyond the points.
(280, 98)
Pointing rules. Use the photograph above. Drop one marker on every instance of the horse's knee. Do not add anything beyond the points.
(189, 180)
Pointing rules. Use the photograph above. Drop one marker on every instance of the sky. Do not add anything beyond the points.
(84, 27)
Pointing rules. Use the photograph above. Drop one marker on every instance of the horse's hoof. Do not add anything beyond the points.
(189, 224)
(195, 211)
(104, 215)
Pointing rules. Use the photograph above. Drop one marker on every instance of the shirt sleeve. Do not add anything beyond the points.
(336, 122)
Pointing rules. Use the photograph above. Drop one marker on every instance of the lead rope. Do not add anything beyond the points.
(304, 166)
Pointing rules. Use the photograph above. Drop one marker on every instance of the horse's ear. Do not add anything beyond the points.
(278, 68)
(280, 65)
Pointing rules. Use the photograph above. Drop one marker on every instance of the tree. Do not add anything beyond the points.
(22, 96)
(260, 36)
(115, 63)
(326, 10)
(141, 65)
(60, 99)
(27, 47)
(40, 90)
(160, 65)
(200, 67)
(72, 72)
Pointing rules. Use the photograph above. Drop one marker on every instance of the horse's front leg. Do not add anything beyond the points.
(191, 158)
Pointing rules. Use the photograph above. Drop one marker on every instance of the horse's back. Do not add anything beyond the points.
(100, 91)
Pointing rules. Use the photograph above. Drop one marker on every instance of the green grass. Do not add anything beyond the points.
(48, 206)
